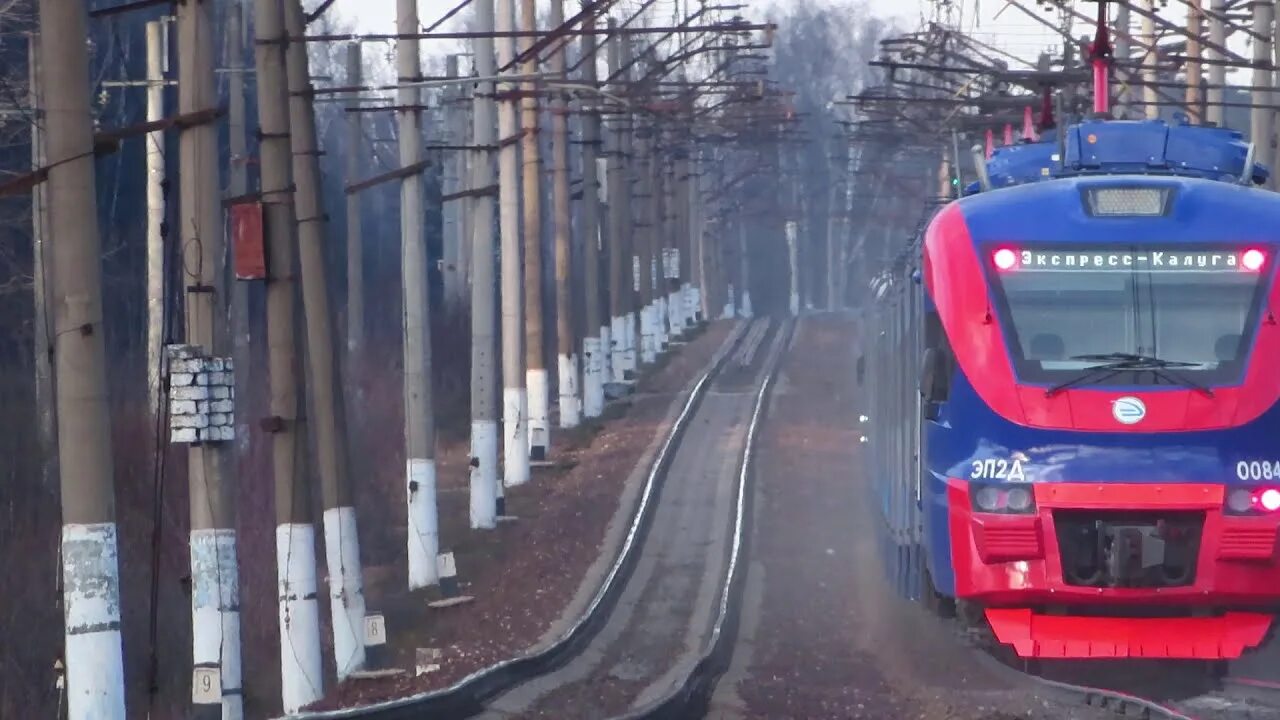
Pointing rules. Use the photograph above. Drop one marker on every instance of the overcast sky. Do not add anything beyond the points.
(1011, 29)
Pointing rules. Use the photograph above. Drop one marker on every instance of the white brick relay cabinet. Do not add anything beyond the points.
(201, 396)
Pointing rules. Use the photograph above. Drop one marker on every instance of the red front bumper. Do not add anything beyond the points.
(1012, 562)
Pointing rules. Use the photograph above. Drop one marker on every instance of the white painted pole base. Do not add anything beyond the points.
(215, 613)
(515, 433)
(484, 474)
(539, 414)
(346, 589)
(675, 309)
(617, 349)
(91, 593)
(424, 536)
(730, 311)
(660, 324)
(795, 303)
(301, 676)
(570, 408)
(695, 303)
(746, 304)
(593, 378)
(605, 353)
(629, 347)
(648, 343)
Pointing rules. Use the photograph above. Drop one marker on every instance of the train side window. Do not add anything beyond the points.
(938, 361)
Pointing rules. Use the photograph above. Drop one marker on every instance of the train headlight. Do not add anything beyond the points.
(1014, 500)
(987, 499)
(1019, 499)
(1240, 501)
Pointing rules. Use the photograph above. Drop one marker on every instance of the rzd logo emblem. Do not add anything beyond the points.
(1128, 410)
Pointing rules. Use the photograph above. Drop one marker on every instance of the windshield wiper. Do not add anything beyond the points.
(1114, 363)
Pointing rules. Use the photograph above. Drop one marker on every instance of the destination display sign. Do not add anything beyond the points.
(1130, 260)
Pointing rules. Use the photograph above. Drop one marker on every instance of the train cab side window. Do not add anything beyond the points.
(938, 361)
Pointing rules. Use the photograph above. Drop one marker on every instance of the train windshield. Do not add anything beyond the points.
(1068, 310)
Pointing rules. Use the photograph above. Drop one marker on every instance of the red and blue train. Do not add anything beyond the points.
(1072, 380)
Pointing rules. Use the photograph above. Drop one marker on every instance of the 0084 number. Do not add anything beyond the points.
(1258, 470)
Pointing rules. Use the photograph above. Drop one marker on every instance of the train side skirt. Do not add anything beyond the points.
(1071, 637)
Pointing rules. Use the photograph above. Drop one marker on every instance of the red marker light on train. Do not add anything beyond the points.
(1005, 259)
(1252, 259)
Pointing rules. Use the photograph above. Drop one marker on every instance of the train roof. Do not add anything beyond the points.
(1126, 147)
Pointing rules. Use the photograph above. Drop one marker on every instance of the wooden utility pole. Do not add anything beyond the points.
(593, 346)
(1150, 60)
(535, 359)
(1195, 78)
(89, 548)
(1261, 119)
(1216, 93)
(215, 591)
(515, 400)
(567, 354)
(355, 211)
(301, 674)
(341, 539)
(42, 361)
(419, 420)
(484, 403)
(155, 213)
(622, 297)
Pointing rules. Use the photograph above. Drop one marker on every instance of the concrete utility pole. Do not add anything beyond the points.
(90, 565)
(515, 401)
(155, 212)
(593, 347)
(215, 592)
(567, 354)
(1150, 57)
(341, 539)
(645, 220)
(1195, 78)
(484, 406)
(419, 418)
(671, 250)
(1123, 55)
(1215, 112)
(535, 359)
(42, 362)
(355, 211)
(452, 174)
(301, 674)
(744, 273)
(238, 186)
(793, 262)
(688, 246)
(1261, 118)
(622, 335)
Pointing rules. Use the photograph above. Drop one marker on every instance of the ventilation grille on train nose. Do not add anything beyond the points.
(1127, 201)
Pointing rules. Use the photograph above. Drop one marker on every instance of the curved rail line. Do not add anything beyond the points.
(468, 696)
(692, 696)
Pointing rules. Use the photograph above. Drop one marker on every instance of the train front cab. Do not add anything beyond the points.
(1014, 554)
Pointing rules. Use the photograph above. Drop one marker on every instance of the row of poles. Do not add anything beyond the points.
(648, 226)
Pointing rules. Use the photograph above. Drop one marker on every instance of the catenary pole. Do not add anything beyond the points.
(515, 401)
(1261, 118)
(566, 352)
(1150, 59)
(42, 361)
(89, 547)
(341, 539)
(155, 212)
(594, 346)
(622, 336)
(355, 212)
(301, 674)
(419, 422)
(535, 358)
(215, 587)
(237, 186)
(484, 405)
(1215, 112)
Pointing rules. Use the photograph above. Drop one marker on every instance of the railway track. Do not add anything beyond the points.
(658, 631)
